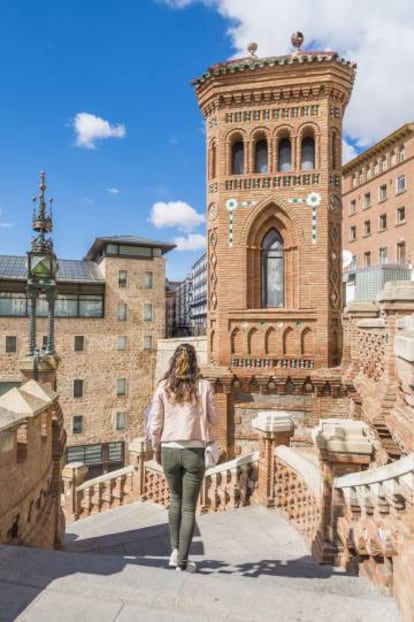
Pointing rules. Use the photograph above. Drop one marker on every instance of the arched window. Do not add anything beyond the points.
(285, 155)
(237, 158)
(260, 157)
(334, 149)
(308, 153)
(272, 270)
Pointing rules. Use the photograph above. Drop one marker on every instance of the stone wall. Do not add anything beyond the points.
(101, 362)
(31, 449)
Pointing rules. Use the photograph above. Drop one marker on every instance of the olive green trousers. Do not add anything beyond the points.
(184, 472)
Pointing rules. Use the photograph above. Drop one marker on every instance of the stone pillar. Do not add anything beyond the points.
(275, 428)
(41, 368)
(344, 447)
(139, 452)
(73, 475)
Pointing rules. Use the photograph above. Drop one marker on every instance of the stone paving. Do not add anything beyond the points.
(253, 566)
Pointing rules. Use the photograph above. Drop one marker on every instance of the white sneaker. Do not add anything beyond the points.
(191, 567)
(173, 559)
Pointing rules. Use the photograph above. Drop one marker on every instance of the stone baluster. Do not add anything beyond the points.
(344, 447)
(139, 452)
(73, 475)
(275, 428)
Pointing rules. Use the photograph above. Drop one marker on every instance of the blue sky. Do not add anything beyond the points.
(129, 63)
(97, 93)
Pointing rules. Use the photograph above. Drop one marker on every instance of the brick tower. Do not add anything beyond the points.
(274, 128)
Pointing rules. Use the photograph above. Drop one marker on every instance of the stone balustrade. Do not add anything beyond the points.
(297, 489)
(32, 442)
(379, 508)
(82, 499)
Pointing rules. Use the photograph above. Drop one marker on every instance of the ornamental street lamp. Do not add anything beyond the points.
(42, 268)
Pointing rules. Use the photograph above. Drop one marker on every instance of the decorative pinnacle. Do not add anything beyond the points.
(252, 49)
(297, 40)
(42, 222)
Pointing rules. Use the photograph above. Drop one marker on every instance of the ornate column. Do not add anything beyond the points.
(275, 428)
(344, 447)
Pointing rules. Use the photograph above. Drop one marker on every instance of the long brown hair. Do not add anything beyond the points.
(182, 375)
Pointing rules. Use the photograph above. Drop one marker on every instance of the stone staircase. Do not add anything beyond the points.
(386, 438)
(253, 566)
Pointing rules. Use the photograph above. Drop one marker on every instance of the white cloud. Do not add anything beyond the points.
(373, 33)
(91, 129)
(3, 224)
(193, 242)
(113, 190)
(175, 214)
(348, 152)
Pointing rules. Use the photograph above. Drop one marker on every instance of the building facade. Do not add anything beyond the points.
(198, 306)
(109, 314)
(378, 219)
(274, 129)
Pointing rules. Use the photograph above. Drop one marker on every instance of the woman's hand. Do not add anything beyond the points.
(157, 456)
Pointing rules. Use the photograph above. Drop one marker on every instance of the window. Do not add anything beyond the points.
(237, 158)
(383, 255)
(148, 280)
(401, 253)
(376, 168)
(13, 304)
(77, 424)
(367, 259)
(382, 222)
(393, 158)
(354, 180)
(400, 184)
(148, 311)
(368, 172)
(147, 342)
(122, 278)
(78, 388)
(285, 155)
(121, 386)
(383, 192)
(352, 207)
(384, 164)
(122, 312)
(212, 161)
(367, 227)
(354, 263)
(272, 270)
(352, 234)
(260, 158)
(122, 342)
(401, 154)
(367, 200)
(11, 344)
(79, 344)
(44, 342)
(400, 215)
(361, 177)
(334, 148)
(120, 421)
(308, 153)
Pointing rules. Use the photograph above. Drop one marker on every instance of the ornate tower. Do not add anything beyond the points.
(274, 128)
(42, 267)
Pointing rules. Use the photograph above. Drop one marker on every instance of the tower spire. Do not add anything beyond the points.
(42, 220)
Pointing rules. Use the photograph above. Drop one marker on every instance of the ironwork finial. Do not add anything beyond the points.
(252, 49)
(297, 40)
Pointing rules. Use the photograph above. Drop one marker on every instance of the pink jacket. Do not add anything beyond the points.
(182, 422)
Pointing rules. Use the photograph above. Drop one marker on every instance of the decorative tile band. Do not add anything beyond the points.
(268, 362)
(313, 200)
(231, 206)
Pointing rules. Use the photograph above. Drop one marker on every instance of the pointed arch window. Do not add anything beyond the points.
(308, 153)
(285, 155)
(261, 157)
(272, 270)
(237, 158)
